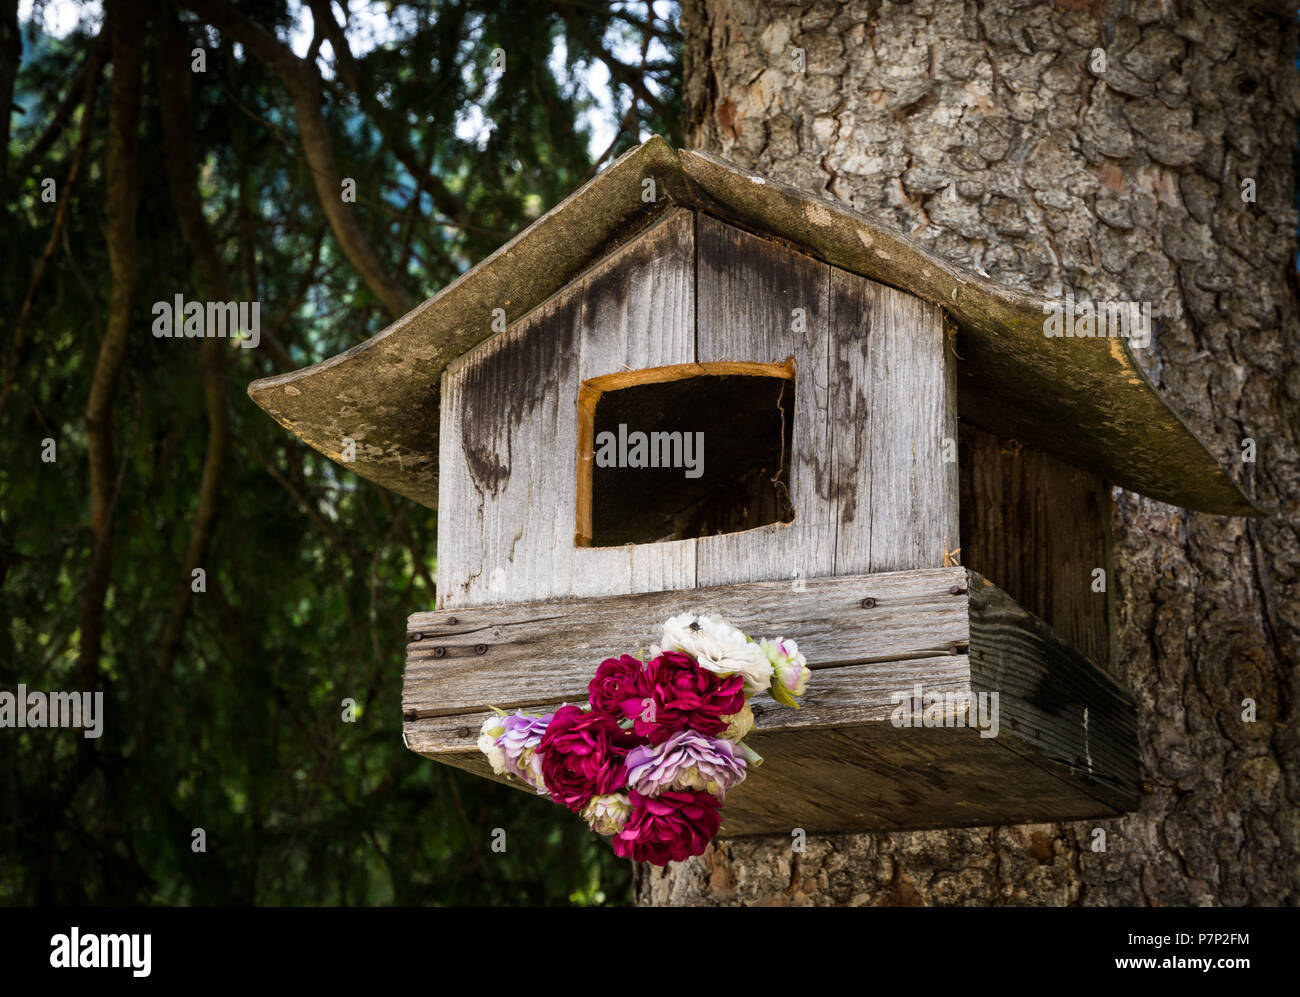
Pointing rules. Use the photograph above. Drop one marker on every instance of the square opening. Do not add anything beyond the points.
(693, 450)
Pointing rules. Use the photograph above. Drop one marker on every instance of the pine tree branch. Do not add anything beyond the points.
(393, 130)
(126, 31)
(182, 169)
(303, 82)
(90, 91)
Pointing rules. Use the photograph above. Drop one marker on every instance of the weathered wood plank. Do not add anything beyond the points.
(509, 477)
(875, 777)
(1066, 746)
(950, 447)
(1037, 528)
(638, 312)
(545, 652)
(504, 404)
(748, 290)
(851, 694)
(1057, 708)
(913, 401)
(893, 400)
(462, 514)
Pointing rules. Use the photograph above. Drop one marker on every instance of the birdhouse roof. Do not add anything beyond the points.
(1083, 400)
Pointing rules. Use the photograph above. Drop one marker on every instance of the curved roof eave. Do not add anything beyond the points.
(1084, 400)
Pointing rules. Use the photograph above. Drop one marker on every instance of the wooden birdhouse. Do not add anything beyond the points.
(688, 387)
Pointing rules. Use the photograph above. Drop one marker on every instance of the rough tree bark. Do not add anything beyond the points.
(979, 129)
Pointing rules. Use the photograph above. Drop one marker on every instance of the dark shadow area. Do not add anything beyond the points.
(691, 458)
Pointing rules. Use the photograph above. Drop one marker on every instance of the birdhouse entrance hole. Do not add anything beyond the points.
(692, 450)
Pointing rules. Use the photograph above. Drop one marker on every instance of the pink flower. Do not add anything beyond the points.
(583, 756)
(668, 828)
(683, 695)
(619, 688)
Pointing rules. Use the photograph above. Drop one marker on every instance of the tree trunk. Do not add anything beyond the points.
(982, 131)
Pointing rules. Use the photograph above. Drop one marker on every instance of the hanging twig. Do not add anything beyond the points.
(126, 31)
(173, 94)
(94, 71)
(302, 80)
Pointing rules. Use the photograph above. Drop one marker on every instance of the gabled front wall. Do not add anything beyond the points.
(874, 393)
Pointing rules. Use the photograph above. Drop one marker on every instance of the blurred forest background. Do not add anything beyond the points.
(224, 707)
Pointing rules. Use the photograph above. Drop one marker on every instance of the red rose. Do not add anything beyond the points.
(582, 756)
(682, 694)
(619, 687)
(667, 828)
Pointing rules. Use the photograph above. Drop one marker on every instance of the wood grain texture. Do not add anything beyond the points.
(516, 655)
(893, 401)
(1057, 708)
(849, 694)
(638, 312)
(748, 289)
(501, 406)
(1037, 528)
(877, 777)
(509, 477)
(1066, 745)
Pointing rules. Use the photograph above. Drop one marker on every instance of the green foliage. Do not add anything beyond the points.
(310, 571)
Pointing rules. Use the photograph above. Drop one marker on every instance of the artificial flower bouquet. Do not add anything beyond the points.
(650, 759)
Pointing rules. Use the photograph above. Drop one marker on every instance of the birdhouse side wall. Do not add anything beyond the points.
(1039, 528)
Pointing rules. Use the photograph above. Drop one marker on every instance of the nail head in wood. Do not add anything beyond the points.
(439, 652)
(868, 603)
(481, 649)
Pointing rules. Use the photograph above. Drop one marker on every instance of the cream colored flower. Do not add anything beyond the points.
(607, 814)
(493, 727)
(738, 724)
(719, 647)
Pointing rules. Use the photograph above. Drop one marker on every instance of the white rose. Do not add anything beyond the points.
(719, 647)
